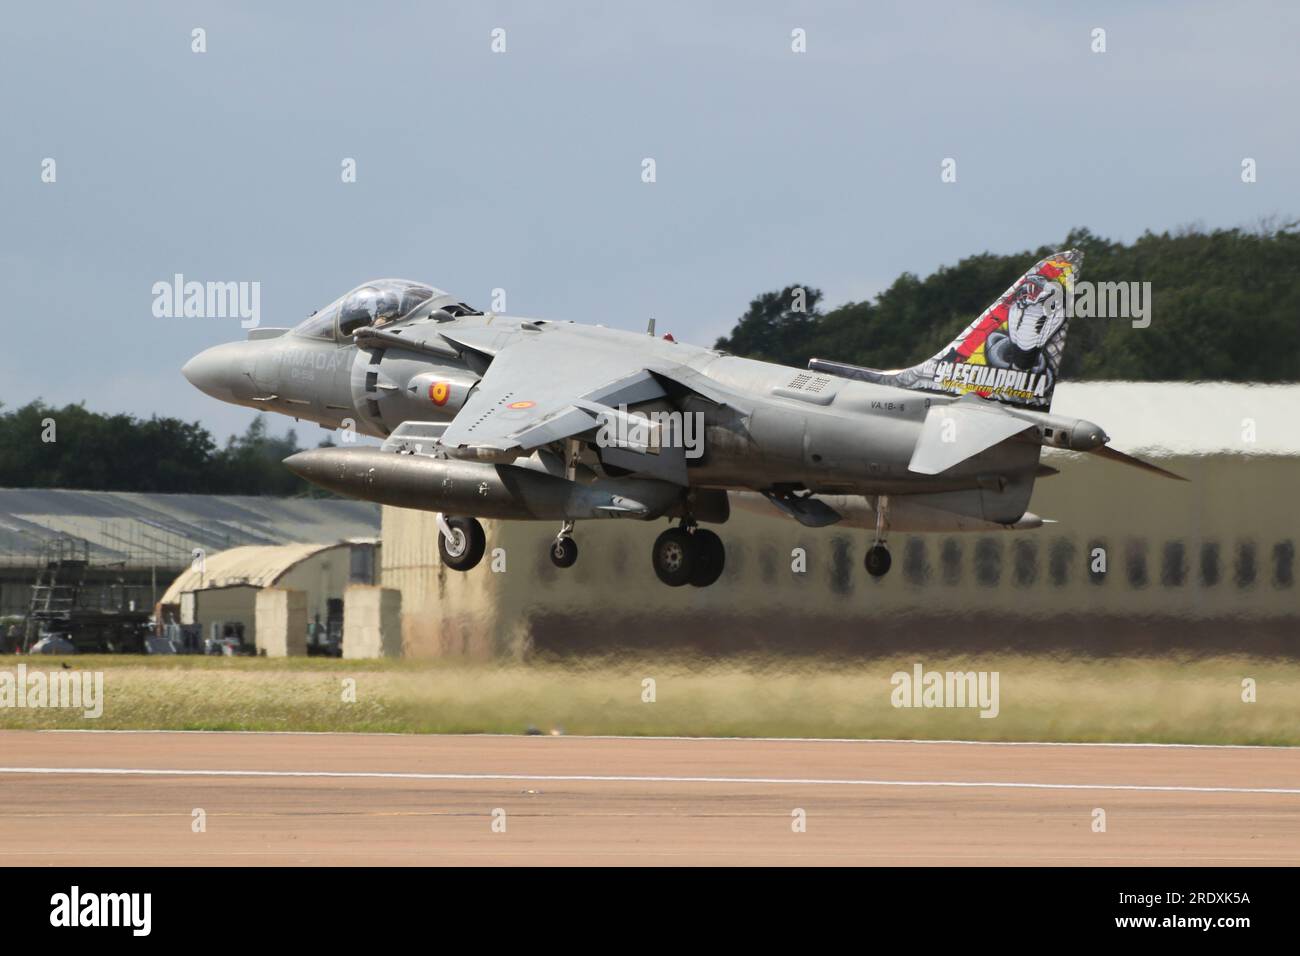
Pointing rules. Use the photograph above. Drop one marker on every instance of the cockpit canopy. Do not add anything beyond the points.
(378, 303)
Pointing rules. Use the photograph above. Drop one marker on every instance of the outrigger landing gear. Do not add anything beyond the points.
(688, 555)
(878, 559)
(461, 542)
(564, 550)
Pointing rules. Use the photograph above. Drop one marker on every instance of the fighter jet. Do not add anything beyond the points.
(493, 416)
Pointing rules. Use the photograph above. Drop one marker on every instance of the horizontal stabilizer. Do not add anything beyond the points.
(953, 433)
(1105, 451)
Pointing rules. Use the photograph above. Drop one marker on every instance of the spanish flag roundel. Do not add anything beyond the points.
(438, 393)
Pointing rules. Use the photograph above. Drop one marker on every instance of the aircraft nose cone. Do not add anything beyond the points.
(218, 370)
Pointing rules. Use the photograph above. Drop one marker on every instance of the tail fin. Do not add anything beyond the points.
(1010, 354)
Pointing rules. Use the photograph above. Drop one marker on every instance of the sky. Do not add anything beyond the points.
(524, 170)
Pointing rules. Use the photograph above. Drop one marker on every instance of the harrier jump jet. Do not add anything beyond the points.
(492, 416)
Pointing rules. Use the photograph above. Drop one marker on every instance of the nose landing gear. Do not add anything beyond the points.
(461, 542)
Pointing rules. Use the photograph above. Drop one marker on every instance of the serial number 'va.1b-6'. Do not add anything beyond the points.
(489, 416)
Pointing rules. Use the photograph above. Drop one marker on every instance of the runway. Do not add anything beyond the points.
(216, 799)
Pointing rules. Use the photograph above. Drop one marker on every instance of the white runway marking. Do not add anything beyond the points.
(791, 740)
(615, 778)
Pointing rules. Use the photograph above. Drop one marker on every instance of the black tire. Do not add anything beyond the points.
(467, 546)
(710, 558)
(564, 551)
(878, 561)
(674, 557)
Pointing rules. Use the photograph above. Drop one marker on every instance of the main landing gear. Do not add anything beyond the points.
(877, 559)
(461, 542)
(688, 555)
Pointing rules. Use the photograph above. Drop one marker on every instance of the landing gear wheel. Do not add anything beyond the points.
(674, 557)
(878, 561)
(710, 559)
(462, 547)
(564, 551)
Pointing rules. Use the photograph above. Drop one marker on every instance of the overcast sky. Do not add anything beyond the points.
(522, 170)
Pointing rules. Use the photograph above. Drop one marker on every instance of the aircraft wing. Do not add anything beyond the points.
(544, 387)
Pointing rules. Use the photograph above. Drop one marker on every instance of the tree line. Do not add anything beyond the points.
(1224, 307)
(74, 447)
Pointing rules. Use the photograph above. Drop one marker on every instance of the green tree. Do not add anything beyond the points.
(73, 447)
(775, 323)
(251, 463)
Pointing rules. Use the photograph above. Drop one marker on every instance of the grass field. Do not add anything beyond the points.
(1139, 700)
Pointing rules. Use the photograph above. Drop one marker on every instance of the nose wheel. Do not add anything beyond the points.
(461, 542)
(687, 555)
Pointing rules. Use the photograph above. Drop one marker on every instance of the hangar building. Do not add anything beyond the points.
(220, 594)
(129, 546)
